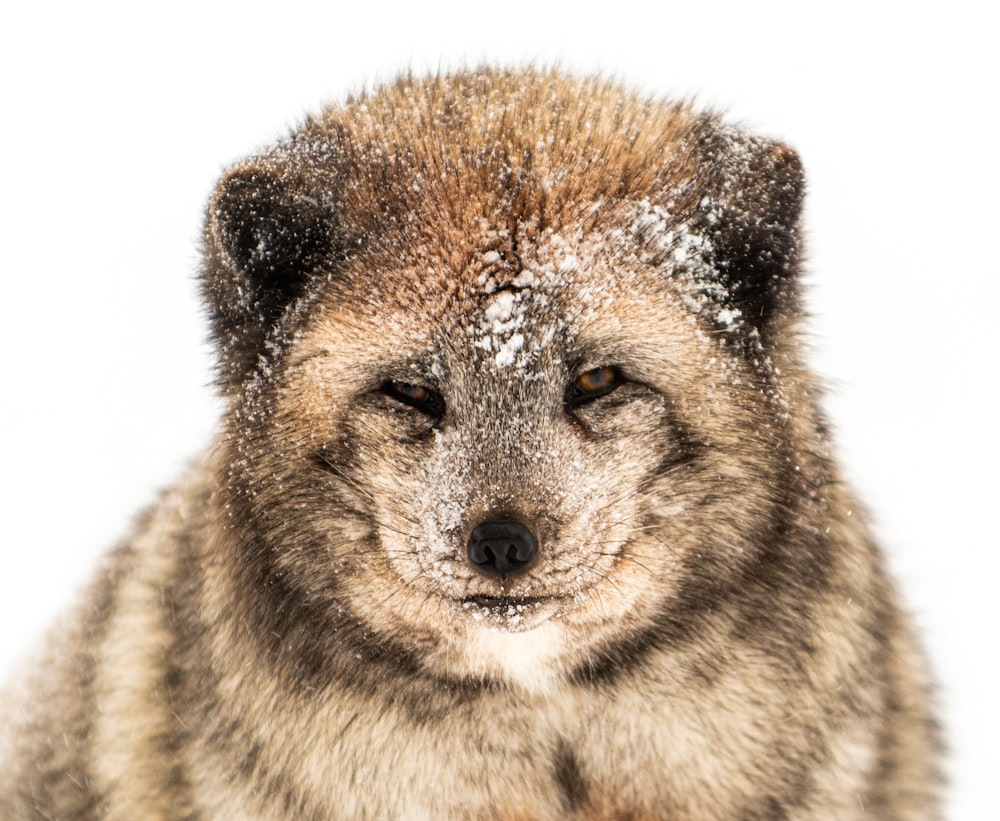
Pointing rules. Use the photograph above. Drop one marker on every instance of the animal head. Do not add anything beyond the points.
(504, 357)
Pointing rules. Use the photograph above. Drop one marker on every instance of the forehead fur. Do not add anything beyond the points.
(445, 161)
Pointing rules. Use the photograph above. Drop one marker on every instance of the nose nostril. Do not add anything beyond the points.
(501, 548)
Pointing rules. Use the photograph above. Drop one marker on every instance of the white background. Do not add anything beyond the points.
(116, 121)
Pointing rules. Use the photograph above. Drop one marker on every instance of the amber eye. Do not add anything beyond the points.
(593, 384)
(415, 396)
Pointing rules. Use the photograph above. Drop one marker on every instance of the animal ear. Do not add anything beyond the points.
(266, 235)
(754, 218)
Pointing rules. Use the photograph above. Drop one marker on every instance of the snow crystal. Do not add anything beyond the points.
(728, 316)
(499, 311)
(499, 331)
(507, 354)
(525, 279)
(568, 264)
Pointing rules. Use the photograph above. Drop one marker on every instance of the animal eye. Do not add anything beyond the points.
(415, 396)
(592, 384)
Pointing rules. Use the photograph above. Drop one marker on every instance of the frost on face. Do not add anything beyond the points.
(499, 332)
(518, 320)
(688, 254)
(504, 327)
(444, 499)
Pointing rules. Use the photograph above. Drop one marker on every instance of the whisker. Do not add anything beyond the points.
(331, 467)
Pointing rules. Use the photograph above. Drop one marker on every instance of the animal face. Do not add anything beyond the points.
(515, 472)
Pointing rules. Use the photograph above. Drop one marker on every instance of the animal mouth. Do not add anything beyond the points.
(503, 605)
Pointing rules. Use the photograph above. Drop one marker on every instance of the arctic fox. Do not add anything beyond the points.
(521, 506)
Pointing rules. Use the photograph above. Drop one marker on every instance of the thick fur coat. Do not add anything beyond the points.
(522, 506)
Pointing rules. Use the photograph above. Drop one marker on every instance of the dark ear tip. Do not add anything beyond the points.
(787, 171)
(236, 185)
(240, 210)
(784, 158)
(777, 169)
(269, 229)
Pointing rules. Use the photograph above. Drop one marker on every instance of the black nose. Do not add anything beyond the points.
(502, 548)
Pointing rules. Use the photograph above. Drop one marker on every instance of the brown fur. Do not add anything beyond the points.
(296, 630)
